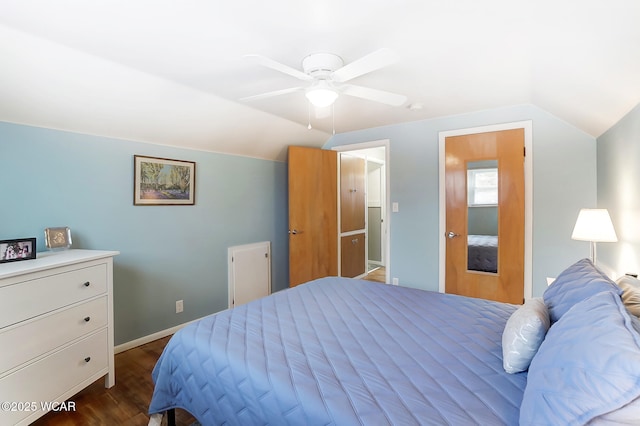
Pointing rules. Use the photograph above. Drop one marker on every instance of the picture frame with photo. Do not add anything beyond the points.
(57, 238)
(18, 249)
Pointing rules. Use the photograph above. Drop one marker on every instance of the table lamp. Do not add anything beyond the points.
(594, 225)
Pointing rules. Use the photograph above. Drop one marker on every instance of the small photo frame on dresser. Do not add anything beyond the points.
(57, 238)
(15, 250)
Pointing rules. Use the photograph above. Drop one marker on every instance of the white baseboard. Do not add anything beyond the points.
(150, 338)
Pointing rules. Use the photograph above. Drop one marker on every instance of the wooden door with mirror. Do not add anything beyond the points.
(484, 184)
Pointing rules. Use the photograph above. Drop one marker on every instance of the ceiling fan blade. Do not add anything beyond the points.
(376, 95)
(271, 94)
(270, 63)
(371, 62)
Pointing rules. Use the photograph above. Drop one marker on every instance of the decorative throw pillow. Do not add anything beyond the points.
(587, 366)
(630, 293)
(523, 334)
(575, 284)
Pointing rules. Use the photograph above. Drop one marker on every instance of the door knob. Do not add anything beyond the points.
(451, 234)
(294, 231)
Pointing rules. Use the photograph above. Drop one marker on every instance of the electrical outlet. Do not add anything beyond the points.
(395, 281)
(179, 306)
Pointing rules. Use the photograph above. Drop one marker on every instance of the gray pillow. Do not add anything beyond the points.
(523, 334)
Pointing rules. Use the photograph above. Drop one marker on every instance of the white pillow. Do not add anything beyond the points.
(630, 293)
(523, 334)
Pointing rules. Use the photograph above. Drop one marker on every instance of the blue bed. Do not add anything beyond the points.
(339, 351)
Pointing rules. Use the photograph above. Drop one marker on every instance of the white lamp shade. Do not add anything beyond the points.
(321, 95)
(594, 225)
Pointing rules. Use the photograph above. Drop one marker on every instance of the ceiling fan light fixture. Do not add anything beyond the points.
(321, 95)
(327, 75)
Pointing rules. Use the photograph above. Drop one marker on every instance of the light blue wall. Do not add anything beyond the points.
(618, 191)
(564, 180)
(55, 178)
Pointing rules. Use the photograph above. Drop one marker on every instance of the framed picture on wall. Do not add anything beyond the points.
(14, 250)
(163, 182)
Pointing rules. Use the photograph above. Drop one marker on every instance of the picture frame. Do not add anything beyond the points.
(163, 181)
(16, 250)
(57, 238)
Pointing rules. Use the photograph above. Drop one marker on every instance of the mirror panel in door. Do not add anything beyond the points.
(482, 216)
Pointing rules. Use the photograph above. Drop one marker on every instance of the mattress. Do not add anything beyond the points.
(482, 253)
(340, 351)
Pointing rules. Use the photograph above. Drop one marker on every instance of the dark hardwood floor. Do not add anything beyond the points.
(124, 404)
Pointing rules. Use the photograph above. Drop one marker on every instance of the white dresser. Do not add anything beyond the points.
(56, 330)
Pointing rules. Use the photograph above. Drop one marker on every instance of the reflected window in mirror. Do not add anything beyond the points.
(482, 186)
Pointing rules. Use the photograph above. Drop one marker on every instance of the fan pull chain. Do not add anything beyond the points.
(333, 117)
(309, 115)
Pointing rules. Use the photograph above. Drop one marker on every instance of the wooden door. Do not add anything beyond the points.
(353, 254)
(352, 193)
(506, 147)
(313, 214)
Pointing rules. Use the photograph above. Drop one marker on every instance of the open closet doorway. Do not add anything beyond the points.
(377, 236)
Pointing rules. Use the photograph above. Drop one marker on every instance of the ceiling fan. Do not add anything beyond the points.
(326, 74)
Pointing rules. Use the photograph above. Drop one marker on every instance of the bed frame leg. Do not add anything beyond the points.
(171, 417)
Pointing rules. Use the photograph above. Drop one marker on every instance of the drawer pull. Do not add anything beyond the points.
(87, 359)
(87, 284)
(87, 319)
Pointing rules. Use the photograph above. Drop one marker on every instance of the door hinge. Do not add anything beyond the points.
(524, 151)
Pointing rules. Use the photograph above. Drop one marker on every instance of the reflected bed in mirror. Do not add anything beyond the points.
(482, 253)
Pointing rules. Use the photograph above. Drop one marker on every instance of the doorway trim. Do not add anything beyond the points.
(528, 197)
(387, 222)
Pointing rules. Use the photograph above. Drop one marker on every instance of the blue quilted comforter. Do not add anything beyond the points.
(338, 351)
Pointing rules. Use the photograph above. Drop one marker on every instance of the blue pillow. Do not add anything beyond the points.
(587, 366)
(575, 284)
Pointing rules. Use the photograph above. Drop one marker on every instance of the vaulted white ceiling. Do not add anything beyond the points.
(172, 72)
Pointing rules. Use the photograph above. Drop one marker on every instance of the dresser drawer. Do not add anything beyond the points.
(33, 338)
(30, 298)
(50, 378)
